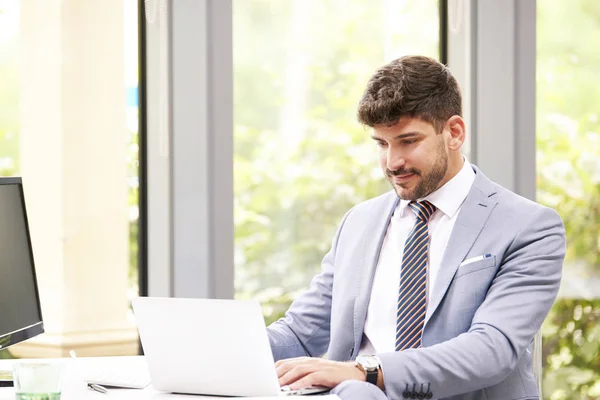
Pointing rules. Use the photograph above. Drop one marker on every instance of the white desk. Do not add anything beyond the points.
(76, 389)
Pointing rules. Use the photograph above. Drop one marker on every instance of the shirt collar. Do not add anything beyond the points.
(449, 197)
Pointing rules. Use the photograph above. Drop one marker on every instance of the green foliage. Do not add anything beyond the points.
(5, 354)
(571, 350)
(301, 160)
(133, 194)
(568, 135)
(568, 165)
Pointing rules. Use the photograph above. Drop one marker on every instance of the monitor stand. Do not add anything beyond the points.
(6, 378)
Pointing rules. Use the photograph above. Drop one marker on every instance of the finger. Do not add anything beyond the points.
(317, 378)
(301, 370)
(289, 364)
(290, 360)
(328, 376)
(296, 373)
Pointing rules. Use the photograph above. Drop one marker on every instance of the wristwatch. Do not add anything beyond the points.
(370, 366)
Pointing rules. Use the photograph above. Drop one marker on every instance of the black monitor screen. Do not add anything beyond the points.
(20, 314)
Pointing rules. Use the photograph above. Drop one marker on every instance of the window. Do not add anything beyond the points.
(69, 127)
(568, 179)
(301, 159)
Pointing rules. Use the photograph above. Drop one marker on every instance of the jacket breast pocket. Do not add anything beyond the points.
(475, 266)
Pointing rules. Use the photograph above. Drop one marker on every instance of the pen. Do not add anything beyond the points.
(93, 386)
(97, 388)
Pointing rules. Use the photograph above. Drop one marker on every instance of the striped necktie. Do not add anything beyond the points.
(412, 297)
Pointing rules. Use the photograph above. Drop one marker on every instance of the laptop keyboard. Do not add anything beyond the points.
(286, 391)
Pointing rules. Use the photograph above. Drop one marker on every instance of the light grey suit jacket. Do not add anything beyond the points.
(481, 317)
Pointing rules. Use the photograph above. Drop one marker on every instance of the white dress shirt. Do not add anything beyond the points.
(380, 326)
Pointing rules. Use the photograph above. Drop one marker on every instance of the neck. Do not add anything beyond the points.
(455, 164)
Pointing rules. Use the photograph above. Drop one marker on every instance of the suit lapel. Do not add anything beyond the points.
(371, 242)
(474, 213)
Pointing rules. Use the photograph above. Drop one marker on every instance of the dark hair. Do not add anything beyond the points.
(414, 86)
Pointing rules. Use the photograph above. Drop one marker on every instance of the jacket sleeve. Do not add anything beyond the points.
(305, 329)
(515, 306)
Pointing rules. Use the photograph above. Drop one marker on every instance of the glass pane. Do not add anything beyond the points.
(568, 165)
(301, 158)
(69, 127)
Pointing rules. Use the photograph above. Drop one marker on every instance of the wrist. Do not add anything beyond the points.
(363, 373)
(370, 367)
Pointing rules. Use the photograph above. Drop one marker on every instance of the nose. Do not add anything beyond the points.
(395, 159)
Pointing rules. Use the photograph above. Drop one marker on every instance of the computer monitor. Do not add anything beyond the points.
(20, 311)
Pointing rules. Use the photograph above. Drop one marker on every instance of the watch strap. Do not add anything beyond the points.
(372, 376)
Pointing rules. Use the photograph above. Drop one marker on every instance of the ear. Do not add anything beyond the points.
(456, 127)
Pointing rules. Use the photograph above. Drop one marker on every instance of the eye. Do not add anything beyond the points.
(409, 141)
(381, 143)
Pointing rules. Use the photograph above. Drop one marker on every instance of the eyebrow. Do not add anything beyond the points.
(401, 136)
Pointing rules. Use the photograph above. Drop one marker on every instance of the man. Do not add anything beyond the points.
(438, 286)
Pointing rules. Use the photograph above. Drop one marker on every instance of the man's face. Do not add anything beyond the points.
(414, 158)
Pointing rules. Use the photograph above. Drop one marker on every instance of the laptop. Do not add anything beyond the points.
(208, 347)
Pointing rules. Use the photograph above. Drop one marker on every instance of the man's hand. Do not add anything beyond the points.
(308, 371)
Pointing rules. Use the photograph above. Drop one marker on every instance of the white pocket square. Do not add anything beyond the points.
(474, 259)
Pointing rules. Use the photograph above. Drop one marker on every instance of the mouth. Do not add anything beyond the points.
(401, 179)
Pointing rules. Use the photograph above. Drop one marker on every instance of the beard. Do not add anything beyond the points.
(428, 182)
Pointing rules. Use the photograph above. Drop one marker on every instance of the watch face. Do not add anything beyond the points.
(368, 362)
